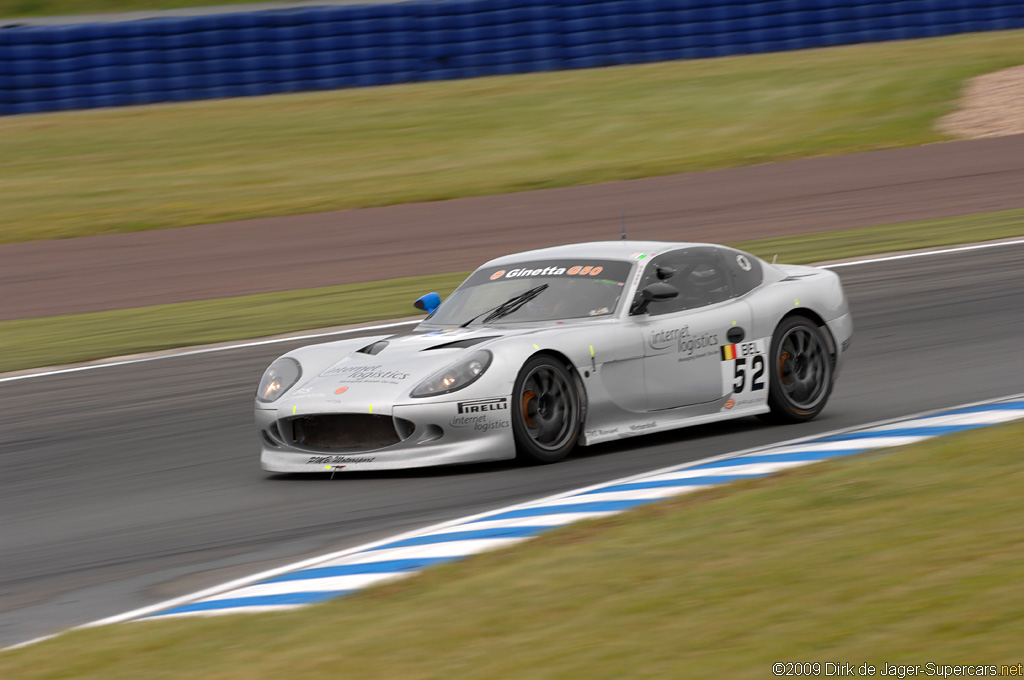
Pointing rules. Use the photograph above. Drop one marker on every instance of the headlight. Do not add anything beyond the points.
(460, 374)
(278, 379)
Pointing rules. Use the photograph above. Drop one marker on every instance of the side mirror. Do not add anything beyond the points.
(428, 303)
(655, 292)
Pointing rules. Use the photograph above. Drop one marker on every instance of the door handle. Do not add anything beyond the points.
(735, 334)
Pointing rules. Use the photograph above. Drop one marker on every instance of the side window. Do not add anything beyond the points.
(744, 270)
(698, 273)
(661, 268)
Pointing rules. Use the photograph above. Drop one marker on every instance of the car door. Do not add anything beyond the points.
(684, 336)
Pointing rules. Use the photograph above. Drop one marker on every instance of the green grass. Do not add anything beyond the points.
(77, 337)
(908, 557)
(30, 343)
(102, 171)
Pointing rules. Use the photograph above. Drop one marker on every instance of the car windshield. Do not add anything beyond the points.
(541, 290)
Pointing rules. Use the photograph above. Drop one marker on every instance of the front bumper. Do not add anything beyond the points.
(428, 434)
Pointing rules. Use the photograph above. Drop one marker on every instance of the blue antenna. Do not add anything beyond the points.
(623, 226)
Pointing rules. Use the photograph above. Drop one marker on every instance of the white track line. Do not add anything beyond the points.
(204, 350)
(390, 325)
(907, 256)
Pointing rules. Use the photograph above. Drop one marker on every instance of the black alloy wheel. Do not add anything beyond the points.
(546, 411)
(801, 371)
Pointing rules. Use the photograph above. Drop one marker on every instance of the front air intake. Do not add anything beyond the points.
(343, 432)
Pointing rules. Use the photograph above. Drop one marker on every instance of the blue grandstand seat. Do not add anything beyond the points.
(264, 87)
(33, 106)
(99, 101)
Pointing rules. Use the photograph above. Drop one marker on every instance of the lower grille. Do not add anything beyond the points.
(343, 431)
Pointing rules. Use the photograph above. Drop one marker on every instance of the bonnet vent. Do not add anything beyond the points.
(374, 348)
(462, 344)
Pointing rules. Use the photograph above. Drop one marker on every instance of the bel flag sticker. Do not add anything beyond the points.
(742, 349)
(744, 374)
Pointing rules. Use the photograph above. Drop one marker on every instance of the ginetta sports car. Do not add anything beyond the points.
(539, 352)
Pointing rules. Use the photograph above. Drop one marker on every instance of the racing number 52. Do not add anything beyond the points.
(756, 380)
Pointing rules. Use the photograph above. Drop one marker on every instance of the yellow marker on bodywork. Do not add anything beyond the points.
(536, 346)
(591, 350)
(371, 408)
(294, 408)
(796, 302)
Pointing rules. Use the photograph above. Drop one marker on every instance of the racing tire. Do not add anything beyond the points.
(546, 411)
(800, 378)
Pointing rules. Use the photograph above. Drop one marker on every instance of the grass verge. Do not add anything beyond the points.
(79, 337)
(29, 343)
(127, 169)
(902, 558)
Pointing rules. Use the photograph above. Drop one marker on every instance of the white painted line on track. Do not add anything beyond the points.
(254, 610)
(750, 470)
(961, 419)
(368, 553)
(33, 641)
(552, 520)
(204, 350)
(350, 582)
(907, 256)
(645, 494)
(386, 326)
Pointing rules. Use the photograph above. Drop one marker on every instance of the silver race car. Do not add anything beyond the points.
(538, 352)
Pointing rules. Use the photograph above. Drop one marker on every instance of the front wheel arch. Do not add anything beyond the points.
(569, 366)
(529, 449)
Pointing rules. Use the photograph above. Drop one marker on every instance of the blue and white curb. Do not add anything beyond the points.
(346, 572)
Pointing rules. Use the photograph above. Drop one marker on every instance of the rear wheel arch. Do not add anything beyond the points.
(802, 358)
(813, 316)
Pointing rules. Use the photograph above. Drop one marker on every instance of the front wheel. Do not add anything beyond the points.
(545, 411)
(801, 373)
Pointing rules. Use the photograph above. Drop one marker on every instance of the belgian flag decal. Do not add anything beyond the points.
(728, 352)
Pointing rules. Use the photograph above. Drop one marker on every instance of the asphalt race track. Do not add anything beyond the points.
(127, 485)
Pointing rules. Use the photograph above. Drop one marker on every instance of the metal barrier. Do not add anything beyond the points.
(49, 68)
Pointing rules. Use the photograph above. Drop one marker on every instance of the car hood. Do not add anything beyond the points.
(384, 370)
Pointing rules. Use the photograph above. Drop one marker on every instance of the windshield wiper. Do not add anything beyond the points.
(508, 306)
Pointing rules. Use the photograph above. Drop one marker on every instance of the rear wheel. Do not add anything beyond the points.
(546, 410)
(801, 371)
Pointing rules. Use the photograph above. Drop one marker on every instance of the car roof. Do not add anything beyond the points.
(622, 249)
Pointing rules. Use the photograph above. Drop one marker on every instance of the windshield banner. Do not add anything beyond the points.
(609, 271)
